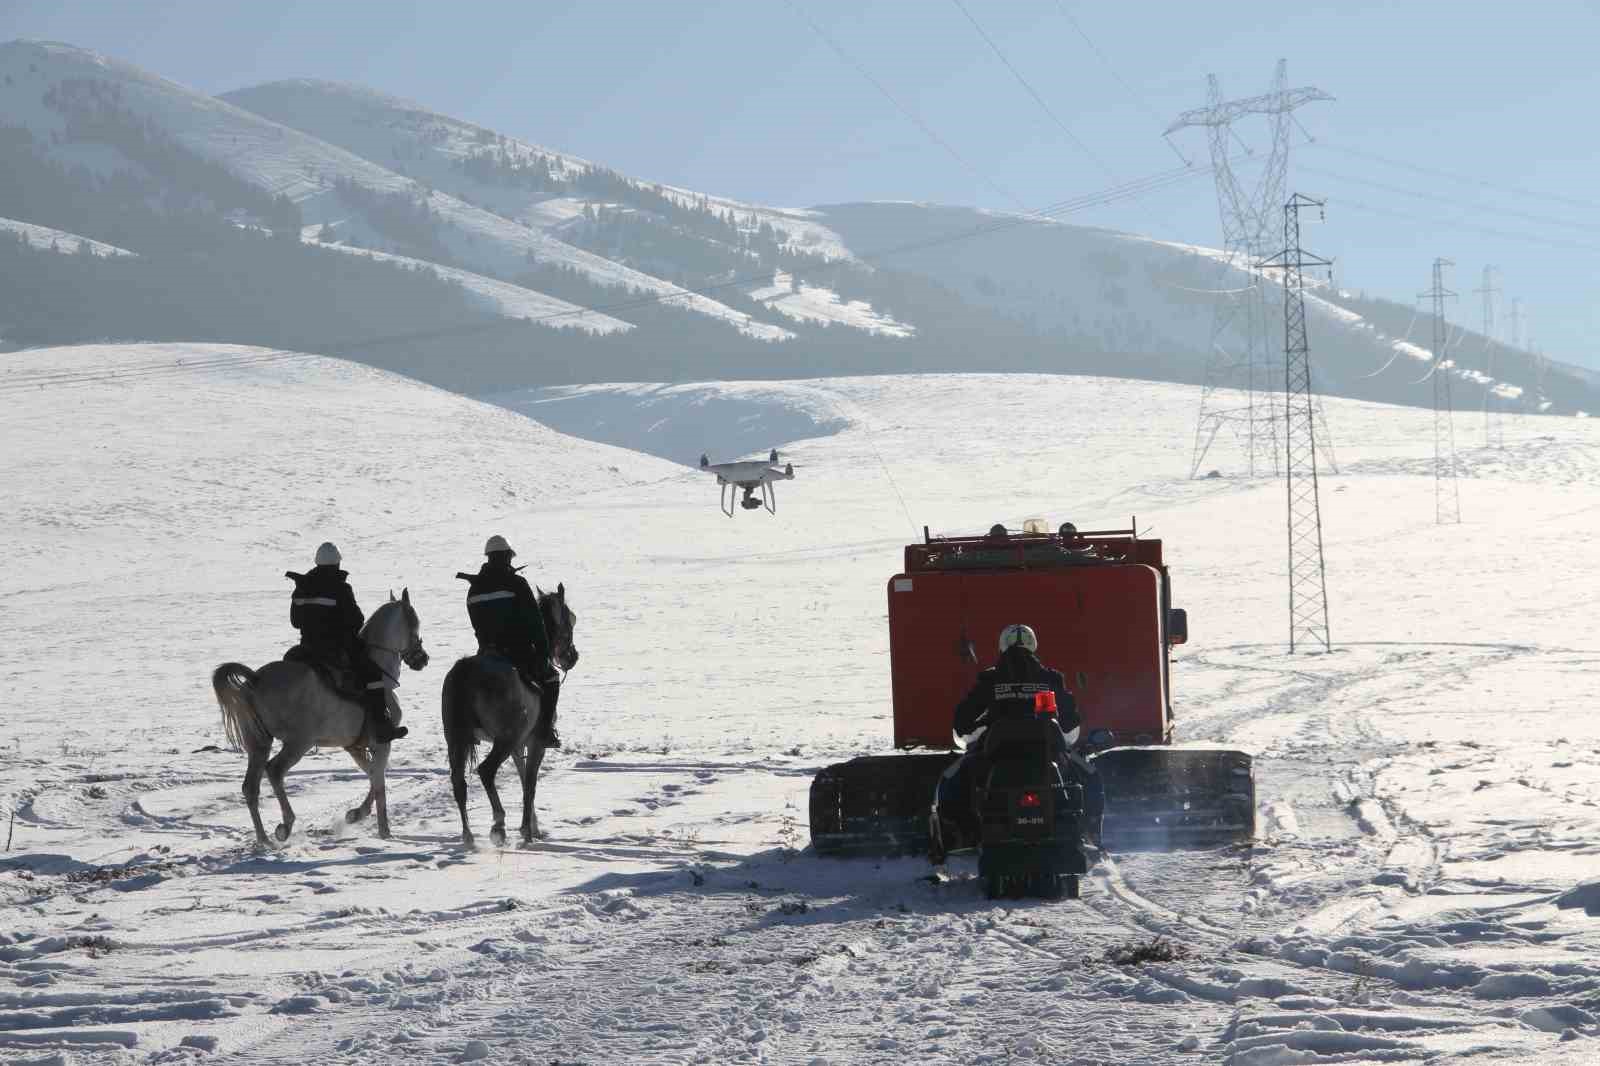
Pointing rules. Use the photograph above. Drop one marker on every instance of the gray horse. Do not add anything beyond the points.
(485, 699)
(291, 702)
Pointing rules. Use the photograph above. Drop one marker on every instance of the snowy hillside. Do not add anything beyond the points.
(58, 240)
(433, 147)
(514, 178)
(285, 162)
(716, 288)
(1097, 290)
(1421, 889)
(512, 301)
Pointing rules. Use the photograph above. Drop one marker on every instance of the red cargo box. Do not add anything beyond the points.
(1101, 625)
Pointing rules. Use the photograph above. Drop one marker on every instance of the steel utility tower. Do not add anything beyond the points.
(1308, 582)
(1446, 489)
(1493, 430)
(1238, 392)
(1516, 346)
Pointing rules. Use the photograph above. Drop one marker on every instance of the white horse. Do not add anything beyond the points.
(291, 702)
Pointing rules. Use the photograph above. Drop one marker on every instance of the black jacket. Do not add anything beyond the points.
(505, 612)
(1007, 689)
(323, 608)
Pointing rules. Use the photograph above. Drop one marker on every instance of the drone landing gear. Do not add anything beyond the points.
(749, 502)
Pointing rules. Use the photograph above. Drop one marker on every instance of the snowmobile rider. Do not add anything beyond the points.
(1003, 691)
(323, 608)
(508, 622)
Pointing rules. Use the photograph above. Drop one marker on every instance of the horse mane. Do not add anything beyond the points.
(371, 624)
(372, 619)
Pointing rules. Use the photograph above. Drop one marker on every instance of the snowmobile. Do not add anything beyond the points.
(1101, 603)
(1027, 818)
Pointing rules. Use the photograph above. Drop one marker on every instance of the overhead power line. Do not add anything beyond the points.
(1138, 97)
(1027, 85)
(1451, 223)
(928, 131)
(1432, 172)
(1433, 197)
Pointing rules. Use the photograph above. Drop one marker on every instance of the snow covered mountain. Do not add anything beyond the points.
(711, 287)
(66, 95)
(1422, 888)
(1095, 290)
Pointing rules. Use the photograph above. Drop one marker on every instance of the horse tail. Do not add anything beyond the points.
(234, 684)
(460, 733)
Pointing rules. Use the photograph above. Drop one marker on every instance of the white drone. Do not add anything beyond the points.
(751, 475)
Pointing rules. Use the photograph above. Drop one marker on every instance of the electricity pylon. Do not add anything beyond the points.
(1493, 429)
(1308, 581)
(1238, 392)
(1446, 487)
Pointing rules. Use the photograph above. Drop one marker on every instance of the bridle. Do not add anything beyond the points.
(563, 651)
(413, 654)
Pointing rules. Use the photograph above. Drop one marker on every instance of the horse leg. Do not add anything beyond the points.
(252, 789)
(375, 777)
(291, 753)
(460, 751)
(486, 771)
(358, 752)
(530, 783)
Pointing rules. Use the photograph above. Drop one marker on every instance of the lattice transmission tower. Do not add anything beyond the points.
(1446, 487)
(1308, 580)
(1494, 434)
(1238, 393)
(1515, 338)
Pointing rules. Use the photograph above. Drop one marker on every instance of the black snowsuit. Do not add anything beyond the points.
(323, 608)
(1005, 690)
(506, 618)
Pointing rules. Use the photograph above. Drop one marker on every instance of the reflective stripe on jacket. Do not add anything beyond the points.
(1007, 689)
(505, 612)
(323, 607)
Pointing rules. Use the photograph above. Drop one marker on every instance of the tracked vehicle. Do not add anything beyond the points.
(1101, 603)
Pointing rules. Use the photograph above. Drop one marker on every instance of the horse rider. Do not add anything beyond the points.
(324, 610)
(1006, 690)
(508, 622)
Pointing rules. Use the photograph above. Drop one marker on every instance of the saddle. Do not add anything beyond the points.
(524, 669)
(334, 668)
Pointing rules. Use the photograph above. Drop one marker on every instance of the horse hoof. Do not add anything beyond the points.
(469, 843)
(282, 833)
(384, 834)
(353, 815)
(498, 837)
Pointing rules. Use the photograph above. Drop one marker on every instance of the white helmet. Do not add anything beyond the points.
(327, 554)
(497, 543)
(1011, 636)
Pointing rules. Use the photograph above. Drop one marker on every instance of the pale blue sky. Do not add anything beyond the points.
(744, 99)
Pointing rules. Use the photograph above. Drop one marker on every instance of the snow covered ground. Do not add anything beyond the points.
(46, 238)
(1422, 888)
(502, 297)
(815, 303)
